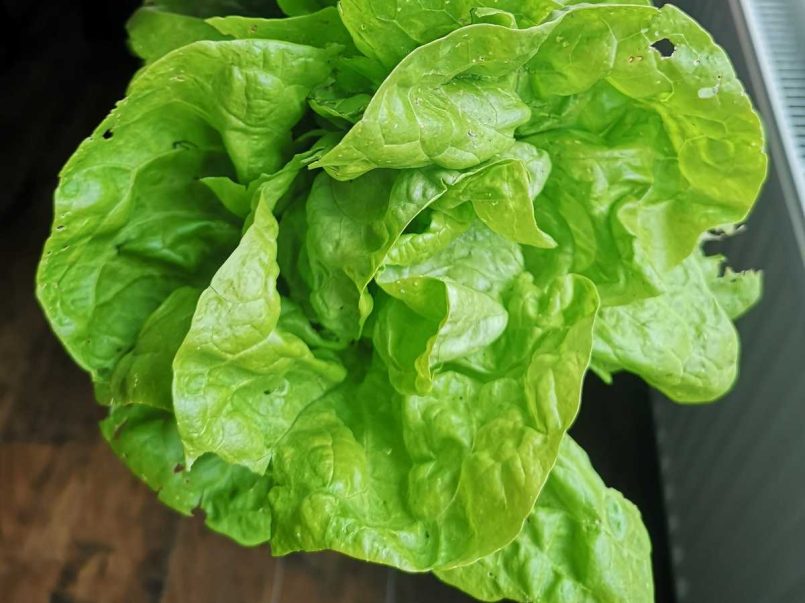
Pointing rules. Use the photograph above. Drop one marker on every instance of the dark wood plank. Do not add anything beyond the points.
(329, 577)
(76, 526)
(208, 568)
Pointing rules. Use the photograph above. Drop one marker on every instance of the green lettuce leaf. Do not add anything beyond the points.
(502, 193)
(240, 382)
(353, 226)
(384, 358)
(583, 542)
(640, 144)
(343, 100)
(295, 8)
(154, 33)
(251, 91)
(387, 31)
(317, 29)
(681, 342)
(141, 429)
(470, 76)
(132, 220)
(232, 498)
(349, 228)
(446, 307)
(736, 292)
(441, 479)
(144, 376)
(217, 8)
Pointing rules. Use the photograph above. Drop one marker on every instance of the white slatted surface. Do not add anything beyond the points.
(777, 30)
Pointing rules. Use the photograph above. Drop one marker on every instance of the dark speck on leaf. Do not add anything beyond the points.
(178, 468)
(118, 429)
(184, 144)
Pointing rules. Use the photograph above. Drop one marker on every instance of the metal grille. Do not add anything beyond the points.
(776, 28)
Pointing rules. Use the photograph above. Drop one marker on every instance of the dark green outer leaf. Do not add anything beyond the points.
(132, 221)
(154, 33)
(144, 375)
(295, 8)
(217, 8)
(232, 498)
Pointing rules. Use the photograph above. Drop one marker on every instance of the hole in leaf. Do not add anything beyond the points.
(108, 134)
(665, 47)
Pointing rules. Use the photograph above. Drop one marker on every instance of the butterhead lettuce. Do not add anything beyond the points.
(338, 275)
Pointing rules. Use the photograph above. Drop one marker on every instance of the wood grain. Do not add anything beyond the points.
(77, 525)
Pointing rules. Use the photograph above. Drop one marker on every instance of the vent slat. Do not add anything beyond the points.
(783, 48)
